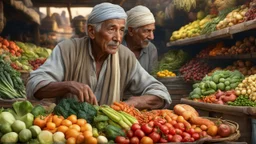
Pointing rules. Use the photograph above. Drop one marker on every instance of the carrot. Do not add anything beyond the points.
(119, 104)
(115, 107)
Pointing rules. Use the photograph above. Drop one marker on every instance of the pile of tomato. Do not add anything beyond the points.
(161, 131)
(36, 63)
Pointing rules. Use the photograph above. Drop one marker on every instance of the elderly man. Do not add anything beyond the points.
(140, 27)
(97, 68)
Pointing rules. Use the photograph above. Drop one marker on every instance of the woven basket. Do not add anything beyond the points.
(233, 137)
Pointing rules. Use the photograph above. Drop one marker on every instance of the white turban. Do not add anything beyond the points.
(139, 16)
(106, 11)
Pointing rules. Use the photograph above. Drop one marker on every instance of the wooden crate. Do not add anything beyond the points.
(239, 114)
(177, 88)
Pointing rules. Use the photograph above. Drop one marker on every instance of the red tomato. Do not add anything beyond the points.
(185, 134)
(177, 138)
(172, 131)
(157, 124)
(154, 136)
(178, 131)
(151, 123)
(139, 133)
(173, 122)
(156, 130)
(203, 134)
(169, 125)
(129, 133)
(134, 140)
(161, 121)
(146, 128)
(192, 139)
(135, 127)
(162, 140)
(164, 129)
(146, 140)
(186, 137)
(169, 137)
(180, 126)
(196, 136)
(121, 140)
(191, 131)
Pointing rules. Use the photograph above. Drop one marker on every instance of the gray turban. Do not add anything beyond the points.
(139, 16)
(106, 11)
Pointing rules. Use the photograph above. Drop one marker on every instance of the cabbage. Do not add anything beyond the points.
(6, 118)
(9, 138)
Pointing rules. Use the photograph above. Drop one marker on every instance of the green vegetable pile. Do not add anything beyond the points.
(219, 80)
(67, 107)
(211, 25)
(171, 61)
(11, 85)
(242, 101)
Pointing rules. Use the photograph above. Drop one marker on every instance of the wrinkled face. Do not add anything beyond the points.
(110, 35)
(143, 35)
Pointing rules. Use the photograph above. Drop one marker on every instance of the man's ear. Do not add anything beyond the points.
(91, 31)
(130, 31)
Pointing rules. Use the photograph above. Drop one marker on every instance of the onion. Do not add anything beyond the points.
(224, 130)
(218, 94)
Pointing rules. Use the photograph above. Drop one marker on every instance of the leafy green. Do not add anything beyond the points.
(69, 106)
(38, 110)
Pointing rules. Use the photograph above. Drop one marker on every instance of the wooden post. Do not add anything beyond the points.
(36, 34)
(69, 12)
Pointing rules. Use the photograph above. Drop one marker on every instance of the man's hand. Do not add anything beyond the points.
(145, 102)
(83, 92)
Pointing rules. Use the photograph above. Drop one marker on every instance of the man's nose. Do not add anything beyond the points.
(151, 35)
(118, 36)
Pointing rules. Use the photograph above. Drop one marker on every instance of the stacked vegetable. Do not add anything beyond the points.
(194, 70)
(25, 123)
(235, 17)
(247, 88)
(222, 80)
(251, 13)
(172, 60)
(21, 54)
(165, 73)
(11, 85)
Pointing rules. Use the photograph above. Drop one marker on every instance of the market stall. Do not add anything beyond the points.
(208, 70)
(221, 67)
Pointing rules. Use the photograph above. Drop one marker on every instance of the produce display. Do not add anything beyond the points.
(251, 13)
(191, 30)
(23, 56)
(219, 80)
(245, 46)
(25, 123)
(165, 73)
(172, 60)
(235, 17)
(247, 88)
(11, 85)
(194, 70)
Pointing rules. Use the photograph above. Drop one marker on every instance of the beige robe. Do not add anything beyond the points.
(75, 53)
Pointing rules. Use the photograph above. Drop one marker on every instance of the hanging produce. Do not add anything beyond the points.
(186, 5)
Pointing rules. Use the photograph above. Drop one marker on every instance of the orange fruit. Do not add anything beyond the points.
(72, 118)
(71, 140)
(81, 122)
(71, 133)
(62, 128)
(90, 140)
(66, 122)
(87, 134)
(75, 126)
